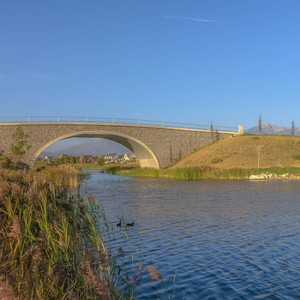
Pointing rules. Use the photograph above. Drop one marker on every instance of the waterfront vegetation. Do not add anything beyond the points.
(186, 173)
(203, 173)
(39, 164)
(51, 243)
(108, 166)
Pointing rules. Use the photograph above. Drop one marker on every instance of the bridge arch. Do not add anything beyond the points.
(146, 156)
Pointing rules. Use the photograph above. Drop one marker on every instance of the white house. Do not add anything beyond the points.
(110, 158)
(130, 157)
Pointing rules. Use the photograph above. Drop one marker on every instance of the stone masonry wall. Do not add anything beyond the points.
(167, 144)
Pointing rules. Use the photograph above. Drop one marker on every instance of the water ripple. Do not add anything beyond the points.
(210, 239)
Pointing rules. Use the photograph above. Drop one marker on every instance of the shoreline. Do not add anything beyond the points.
(194, 174)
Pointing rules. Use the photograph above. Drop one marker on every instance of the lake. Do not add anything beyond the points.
(208, 239)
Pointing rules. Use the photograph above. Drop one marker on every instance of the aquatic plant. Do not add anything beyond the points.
(187, 173)
(136, 172)
(51, 246)
(54, 244)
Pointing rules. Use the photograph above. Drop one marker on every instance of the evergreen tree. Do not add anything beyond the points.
(259, 124)
(212, 133)
(293, 128)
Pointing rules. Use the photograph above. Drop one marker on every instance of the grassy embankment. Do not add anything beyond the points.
(233, 158)
(51, 246)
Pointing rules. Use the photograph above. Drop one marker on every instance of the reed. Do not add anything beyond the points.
(188, 173)
(137, 172)
(61, 175)
(51, 246)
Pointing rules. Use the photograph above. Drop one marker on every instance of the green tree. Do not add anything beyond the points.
(21, 146)
(57, 161)
(66, 160)
(77, 159)
(212, 133)
(72, 159)
(100, 160)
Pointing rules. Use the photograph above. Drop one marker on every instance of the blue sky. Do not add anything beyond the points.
(182, 61)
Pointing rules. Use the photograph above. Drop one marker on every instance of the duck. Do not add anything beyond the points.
(130, 224)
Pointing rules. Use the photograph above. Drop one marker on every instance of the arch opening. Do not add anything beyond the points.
(144, 154)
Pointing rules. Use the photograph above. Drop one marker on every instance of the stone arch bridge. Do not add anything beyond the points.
(155, 146)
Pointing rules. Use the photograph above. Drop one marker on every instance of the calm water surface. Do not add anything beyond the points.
(208, 239)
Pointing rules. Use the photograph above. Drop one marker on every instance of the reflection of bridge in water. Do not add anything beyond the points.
(156, 144)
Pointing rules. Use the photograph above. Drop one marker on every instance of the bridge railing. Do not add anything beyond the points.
(113, 121)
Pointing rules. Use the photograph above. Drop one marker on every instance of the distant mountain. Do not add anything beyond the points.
(89, 147)
(273, 129)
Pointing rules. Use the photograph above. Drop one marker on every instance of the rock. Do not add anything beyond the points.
(268, 175)
(256, 177)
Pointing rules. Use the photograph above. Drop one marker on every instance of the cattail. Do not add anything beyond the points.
(33, 250)
(61, 243)
(103, 290)
(154, 274)
(15, 230)
(92, 199)
(88, 274)
(6, 292)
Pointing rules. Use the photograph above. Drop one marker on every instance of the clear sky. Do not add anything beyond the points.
(183, 61)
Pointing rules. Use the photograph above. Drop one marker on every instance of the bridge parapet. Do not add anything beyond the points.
(114, 121)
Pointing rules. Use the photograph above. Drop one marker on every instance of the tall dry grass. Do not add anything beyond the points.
(246, 152)
(51, 246)
(57, 246)
(61, 175)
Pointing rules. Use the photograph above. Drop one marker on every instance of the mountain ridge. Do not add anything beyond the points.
(269, 128)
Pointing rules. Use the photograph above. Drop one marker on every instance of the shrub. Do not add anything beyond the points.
(216, 160)
(5, 162)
